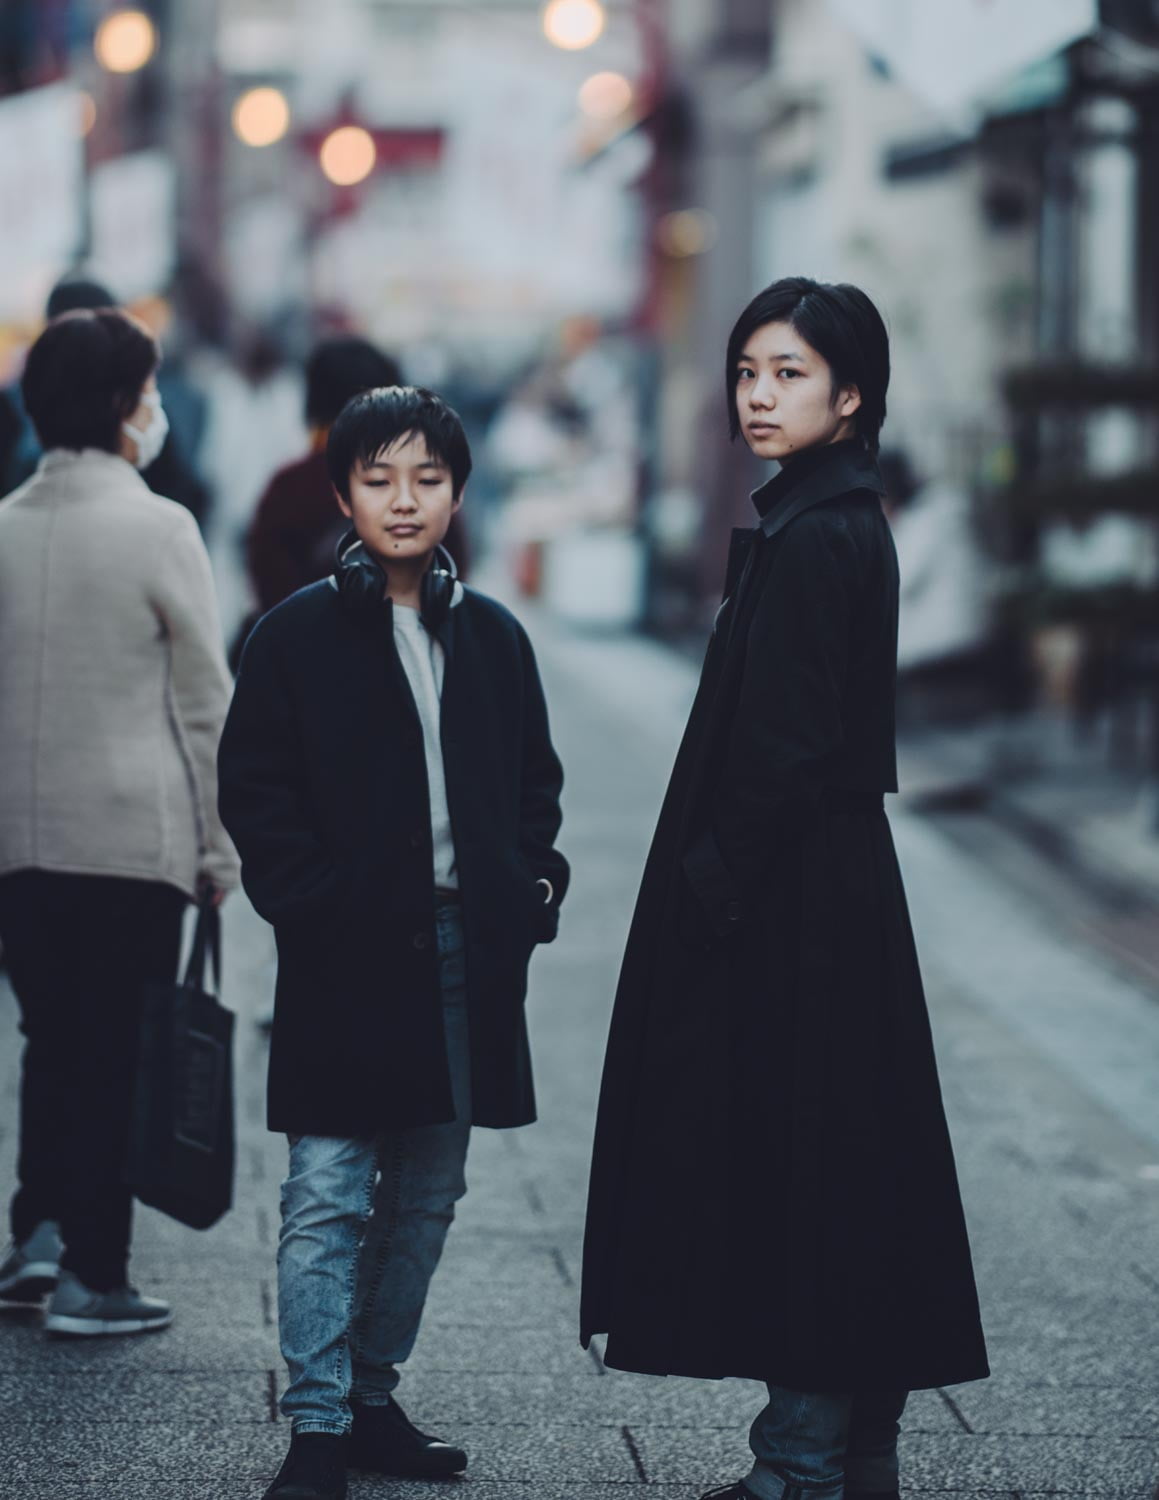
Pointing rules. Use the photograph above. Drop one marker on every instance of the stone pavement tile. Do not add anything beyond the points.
(445, 1400)
(1106, 1467)
(500, 1350)
(92, 1452)
(501, 1254)
(155, 1230)
(542, 1400)
(1109, 1468)
(189, 1282)
(542, 1277)
(166, 1452)
(504, 1308)
(1001, 1405)
(1085, 1361)
(137, 1397)
(195, 1341)
(1122, 1320)
(378, 1487)
(530, 1454)
(371, 1487)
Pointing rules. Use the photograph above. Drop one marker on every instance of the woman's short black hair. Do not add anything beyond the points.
(377, 420)
(341, 368)
(844, 327)
(84, 377)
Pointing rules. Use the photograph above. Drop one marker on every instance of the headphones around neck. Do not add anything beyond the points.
(362, 581)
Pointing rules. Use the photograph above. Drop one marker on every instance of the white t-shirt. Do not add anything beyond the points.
(423, 661)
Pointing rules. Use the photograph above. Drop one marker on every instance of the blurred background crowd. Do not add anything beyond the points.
(552, 213)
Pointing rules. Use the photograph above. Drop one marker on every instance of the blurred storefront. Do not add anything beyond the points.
(990, 174)
(554, 210)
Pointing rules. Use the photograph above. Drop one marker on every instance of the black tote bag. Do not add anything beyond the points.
(181, 1149)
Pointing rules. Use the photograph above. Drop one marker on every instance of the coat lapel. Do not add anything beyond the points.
(812, 480)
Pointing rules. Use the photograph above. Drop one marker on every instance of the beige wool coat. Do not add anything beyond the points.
(113, 682)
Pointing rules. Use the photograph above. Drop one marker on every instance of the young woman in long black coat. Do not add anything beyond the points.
(773, 1192)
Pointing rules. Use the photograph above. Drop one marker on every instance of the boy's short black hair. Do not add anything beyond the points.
(377, 419)
(339, 369)
(84, 377)
(844, 327)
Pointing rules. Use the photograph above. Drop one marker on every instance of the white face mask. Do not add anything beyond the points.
(150, 439)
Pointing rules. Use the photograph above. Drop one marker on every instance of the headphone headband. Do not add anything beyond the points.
(362, 581)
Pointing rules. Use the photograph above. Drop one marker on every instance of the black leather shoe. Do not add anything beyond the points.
(315, 1469)
(384, 1440)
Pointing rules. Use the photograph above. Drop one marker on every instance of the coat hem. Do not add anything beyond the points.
(363, 1129)
(113, 872)
(792, 1378)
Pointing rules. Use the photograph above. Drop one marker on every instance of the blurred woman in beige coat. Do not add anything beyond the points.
(113, 691)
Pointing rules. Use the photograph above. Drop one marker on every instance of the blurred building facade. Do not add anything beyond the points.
(565, 236)
(998, 199)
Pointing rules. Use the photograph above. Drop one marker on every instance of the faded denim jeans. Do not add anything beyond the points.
(810, 1446)
(363, 1226)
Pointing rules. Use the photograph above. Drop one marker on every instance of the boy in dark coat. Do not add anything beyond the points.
(388, 776)
(773, 1192)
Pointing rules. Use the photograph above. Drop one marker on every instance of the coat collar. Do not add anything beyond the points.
(89, 463)
(814, 478)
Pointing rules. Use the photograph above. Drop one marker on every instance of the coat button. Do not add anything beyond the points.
(422, 939)
(733, 911)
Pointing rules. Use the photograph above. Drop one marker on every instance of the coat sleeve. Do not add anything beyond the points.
(185, 601)
(286, 870)
(541, 784)
(788, 718)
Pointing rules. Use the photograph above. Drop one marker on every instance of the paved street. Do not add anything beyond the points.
(1050, 1063)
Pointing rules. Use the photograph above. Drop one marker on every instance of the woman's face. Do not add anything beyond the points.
(785, 398)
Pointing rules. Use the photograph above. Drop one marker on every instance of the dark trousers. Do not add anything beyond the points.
(80, 950)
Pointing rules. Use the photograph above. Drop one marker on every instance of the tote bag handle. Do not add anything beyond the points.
(206, 944)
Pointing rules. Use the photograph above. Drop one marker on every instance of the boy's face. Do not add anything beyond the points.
(785, 398)
(401, 503)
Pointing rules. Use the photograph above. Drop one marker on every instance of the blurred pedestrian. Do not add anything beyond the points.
(11, 435)
(388, 774)
(113, 690)
(170, 471)
(773, 1191)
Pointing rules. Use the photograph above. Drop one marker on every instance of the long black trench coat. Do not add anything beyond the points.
(773, 1192)
(323, 787)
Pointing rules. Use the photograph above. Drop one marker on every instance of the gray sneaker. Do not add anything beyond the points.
(77, 1311)
(30, 1270)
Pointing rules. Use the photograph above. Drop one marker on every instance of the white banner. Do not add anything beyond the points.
(134, 224)
(41, 196)
(953, 52)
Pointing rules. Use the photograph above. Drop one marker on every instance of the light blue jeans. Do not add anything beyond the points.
(809, 1447)
(363, 1226)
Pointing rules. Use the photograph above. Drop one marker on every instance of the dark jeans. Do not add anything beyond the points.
(363, 1226)
(809, 1447)
(80, 950)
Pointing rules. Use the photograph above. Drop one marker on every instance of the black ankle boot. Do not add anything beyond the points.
(315, 1468)
(384, 1440)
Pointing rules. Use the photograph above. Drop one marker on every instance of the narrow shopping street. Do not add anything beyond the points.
(1050, 1059)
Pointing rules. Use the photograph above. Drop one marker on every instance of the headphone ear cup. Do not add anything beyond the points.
(437, 596)
(361, 582)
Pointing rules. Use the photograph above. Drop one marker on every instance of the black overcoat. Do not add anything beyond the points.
(323, 787)
(773, 1192)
